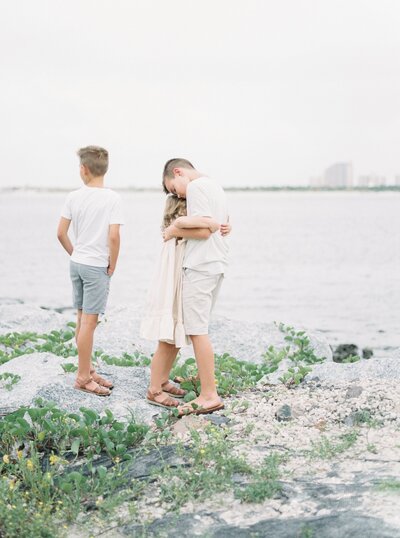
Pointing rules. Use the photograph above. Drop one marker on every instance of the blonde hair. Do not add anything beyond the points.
(95, 159)
(174, 207)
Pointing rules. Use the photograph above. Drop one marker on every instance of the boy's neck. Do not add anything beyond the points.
(97, 182)
(194, 174)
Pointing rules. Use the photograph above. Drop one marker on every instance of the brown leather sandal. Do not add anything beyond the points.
(100, 380)
(188, 409)
(170, 389)
(167, 402)
(98, 391)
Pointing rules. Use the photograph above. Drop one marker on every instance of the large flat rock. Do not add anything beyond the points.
(42, 376)
(384, 368)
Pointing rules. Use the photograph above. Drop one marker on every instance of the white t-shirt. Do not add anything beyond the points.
(92, 210)
(206, 198)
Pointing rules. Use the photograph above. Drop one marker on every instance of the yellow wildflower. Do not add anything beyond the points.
(30, 465)
(20, 454)
(6, 458)
(202, 451)
(117, 459)
(53, 459)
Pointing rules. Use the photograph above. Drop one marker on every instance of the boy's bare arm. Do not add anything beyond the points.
(186, 233)
(62, 235)
(197, 222)
(113, 243)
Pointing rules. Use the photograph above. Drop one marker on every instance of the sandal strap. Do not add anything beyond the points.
(98, 390)
(168, 401)
(172, 389)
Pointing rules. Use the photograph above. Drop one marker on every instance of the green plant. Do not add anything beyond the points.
(350, 359)
(327, 448)
(69, 367)
(16, 344)
(8, 380)
(231, 375)
(51, 430)
(264, 482)
(390, 485)
(298, 351)
(38, 487)
(136, 359)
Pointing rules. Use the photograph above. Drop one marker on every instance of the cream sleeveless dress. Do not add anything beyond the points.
(163, 318)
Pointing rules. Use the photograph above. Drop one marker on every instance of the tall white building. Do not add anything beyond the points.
(339, 175)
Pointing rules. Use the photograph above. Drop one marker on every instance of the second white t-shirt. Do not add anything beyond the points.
(206, 198)
(92, 210)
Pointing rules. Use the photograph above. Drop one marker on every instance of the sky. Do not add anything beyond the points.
(252, 92)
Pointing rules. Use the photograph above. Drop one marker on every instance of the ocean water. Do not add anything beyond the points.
(326, 261)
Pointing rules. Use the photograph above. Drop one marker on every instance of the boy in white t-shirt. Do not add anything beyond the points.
(96, 216)
(204, 265)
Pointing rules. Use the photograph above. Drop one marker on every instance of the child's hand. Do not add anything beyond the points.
(168, 233)
(225, 229)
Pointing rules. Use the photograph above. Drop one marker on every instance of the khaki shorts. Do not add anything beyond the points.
(199, 293)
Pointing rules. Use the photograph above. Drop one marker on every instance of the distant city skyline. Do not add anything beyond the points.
(341, 175)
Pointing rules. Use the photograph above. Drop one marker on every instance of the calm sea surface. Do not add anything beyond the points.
(327, 261)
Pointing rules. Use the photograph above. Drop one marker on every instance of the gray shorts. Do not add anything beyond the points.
(90, 286)
(199, 293)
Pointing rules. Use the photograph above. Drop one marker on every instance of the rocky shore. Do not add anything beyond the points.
(335, 436)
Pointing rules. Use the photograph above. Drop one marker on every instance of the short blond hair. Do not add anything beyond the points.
(168, 172)
(95, 159)
(174, 207)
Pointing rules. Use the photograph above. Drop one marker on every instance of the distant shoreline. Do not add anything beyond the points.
(285, 188)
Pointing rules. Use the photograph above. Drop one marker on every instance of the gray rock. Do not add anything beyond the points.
(367, 353)
(353, 392)
(343, 351)
(335, 373)
(241, 339)
(284, 413)
(43, 377)
(118, 332)
(347, 524)
(30, 318)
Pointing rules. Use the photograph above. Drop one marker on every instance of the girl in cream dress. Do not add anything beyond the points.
(163, 320)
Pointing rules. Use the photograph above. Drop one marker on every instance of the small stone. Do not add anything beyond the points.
(284, 413)
(320, 425)
(218, 420)
(367, 353)
(343, 351)
(353, 392)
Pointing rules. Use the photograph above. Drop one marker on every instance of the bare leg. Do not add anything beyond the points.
(78, 325)
(87, 326)
(161, 364)
(204, 354)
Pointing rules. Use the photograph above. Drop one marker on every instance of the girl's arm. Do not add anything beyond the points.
(186, 233)
(197, 222)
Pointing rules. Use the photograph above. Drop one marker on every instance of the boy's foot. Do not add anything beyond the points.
(172, 390)
(200, 407)
(91, 386)
(161, 399)
(100, 380)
